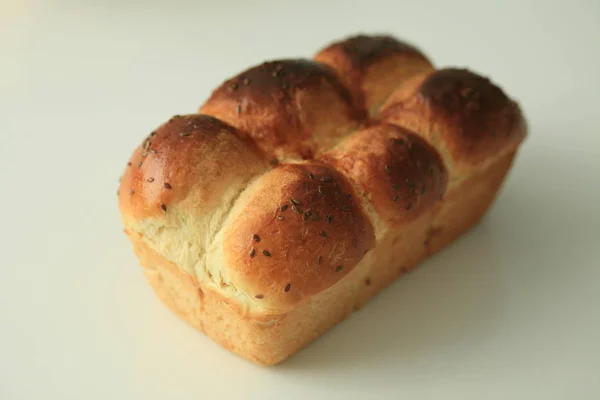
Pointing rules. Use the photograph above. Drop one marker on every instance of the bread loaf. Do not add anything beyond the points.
(302, 188)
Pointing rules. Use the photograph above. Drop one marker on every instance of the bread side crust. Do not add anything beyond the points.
(268, 339)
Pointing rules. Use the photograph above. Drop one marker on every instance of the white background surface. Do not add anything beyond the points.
(511, 311)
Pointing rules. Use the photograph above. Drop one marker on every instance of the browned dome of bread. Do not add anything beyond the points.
(188, 155)
(303, 188)
(285, 244)
(291, 108)
(373, 66)
(402, 175)
(466, 116)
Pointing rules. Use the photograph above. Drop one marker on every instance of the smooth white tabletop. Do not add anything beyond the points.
(511, 311)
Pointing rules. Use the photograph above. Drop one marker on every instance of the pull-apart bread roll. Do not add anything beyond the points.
(304, 187)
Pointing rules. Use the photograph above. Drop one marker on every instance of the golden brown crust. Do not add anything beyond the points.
(466, 203)
(269, 339)
(373, 66)
(291, 108)
(264, 260)
(262, 338)
(189, 153)
(402, 175)
(405, 91)
(465, 115)
(299, 233)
